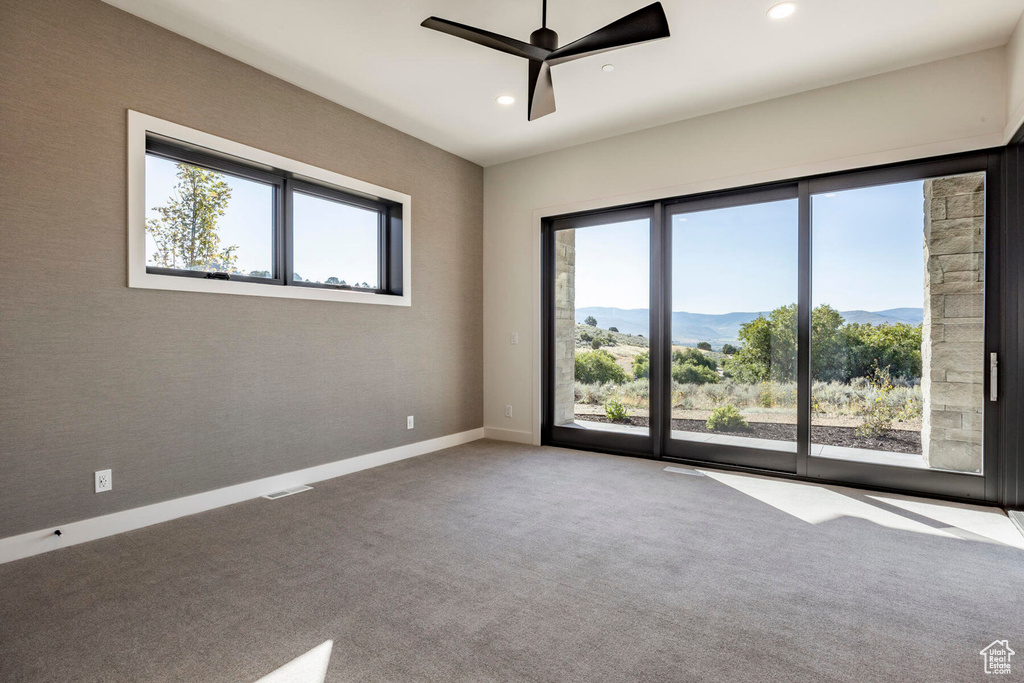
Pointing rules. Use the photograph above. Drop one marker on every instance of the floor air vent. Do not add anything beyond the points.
(683, 470)
(287, 492)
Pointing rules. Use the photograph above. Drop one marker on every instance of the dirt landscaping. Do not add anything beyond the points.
(896, 441)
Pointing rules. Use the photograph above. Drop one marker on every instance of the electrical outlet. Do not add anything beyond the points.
(409, 423)
(508, 411)
(104, 481)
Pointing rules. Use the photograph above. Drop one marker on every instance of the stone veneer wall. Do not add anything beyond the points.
(952, 345)
(565, 327)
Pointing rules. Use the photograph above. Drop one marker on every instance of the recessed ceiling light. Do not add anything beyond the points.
(505, 100)
(608, 67)
(782, 10)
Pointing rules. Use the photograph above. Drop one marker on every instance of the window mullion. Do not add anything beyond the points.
(287, 234)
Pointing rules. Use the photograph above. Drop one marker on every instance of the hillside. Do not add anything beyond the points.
(690, 328)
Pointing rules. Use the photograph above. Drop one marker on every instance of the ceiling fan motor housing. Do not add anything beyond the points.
(545, 38)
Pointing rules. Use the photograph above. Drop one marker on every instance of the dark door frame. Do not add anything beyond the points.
(762, 459)
(620, 443)
(1003, 479)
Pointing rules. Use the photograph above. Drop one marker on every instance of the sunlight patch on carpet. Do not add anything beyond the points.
(310, 667)
(816, 504)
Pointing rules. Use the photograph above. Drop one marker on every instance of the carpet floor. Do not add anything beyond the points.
(501, 562)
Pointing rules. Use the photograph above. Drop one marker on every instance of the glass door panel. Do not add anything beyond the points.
(733, 363)
(601, 314)
(898, 328)
(834, 328)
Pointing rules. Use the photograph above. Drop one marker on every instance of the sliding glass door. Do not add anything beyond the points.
(835, 328)
(732, 306)
(600, 326)
(900, 341)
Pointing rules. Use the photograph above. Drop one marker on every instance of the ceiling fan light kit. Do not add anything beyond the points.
(542, 52)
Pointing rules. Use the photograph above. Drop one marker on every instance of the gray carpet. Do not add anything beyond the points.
(499, 562)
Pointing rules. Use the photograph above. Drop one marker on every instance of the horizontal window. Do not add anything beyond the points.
(336, 242)
(220, 217)
(205, 221)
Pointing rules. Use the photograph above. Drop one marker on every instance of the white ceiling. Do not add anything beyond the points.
(372, 56)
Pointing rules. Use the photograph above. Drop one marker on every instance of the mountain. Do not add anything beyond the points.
(911, 316)
(689, 328)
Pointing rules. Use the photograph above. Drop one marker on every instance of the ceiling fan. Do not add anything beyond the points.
(543, 52)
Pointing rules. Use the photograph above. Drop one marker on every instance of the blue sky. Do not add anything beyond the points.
(867, 255)
(331, 239)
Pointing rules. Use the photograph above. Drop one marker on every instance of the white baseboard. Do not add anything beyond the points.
(36, 542)
(513, 435)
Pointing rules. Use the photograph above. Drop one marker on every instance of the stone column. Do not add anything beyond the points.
(952, 349)
(565, 327)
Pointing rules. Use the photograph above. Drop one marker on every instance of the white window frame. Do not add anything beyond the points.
(139, 125)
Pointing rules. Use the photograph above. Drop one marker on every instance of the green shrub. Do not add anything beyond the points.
(704, 346)
(642, 365)
(878, 419)
(595, 343)
(614, 409)
(726, 418)
(594, 394)
(896, 346)
(590, 320)
(729, 349)
(683, 402)
(598, 366)
(638, 390)
(694, 357)
(586, 336)
(880, 413)
(613, 329)
(688, 373)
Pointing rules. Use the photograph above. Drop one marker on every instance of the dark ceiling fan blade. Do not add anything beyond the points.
(495, 41)
(542, 91)
(649, 23)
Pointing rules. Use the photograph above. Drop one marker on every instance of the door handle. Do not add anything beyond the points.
(993, 376)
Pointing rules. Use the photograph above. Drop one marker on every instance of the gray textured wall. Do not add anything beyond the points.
(185, 392)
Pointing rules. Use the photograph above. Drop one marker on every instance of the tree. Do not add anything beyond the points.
(590, 320)
(297, 277)
(704, 346)
(688, 373)
(613, 329)
(186, 231)
(259, 273)
(690, 366)
(642, 365)
(769, 348)
(693, 357)
(839, 352)
(332, 281)
(828, 348)
(598, 366)
(895, 348)
(729, 349)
